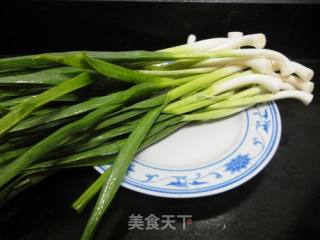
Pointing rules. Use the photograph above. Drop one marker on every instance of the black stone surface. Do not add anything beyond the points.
(282, 202)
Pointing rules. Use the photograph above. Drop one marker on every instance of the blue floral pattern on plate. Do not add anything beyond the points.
(238, 163)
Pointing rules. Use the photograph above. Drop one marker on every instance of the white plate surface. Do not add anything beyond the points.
(208, 158)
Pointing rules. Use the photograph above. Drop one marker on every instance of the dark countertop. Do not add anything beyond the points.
(282, 202)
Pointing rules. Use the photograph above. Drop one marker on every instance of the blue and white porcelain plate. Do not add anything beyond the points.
(208, 158)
